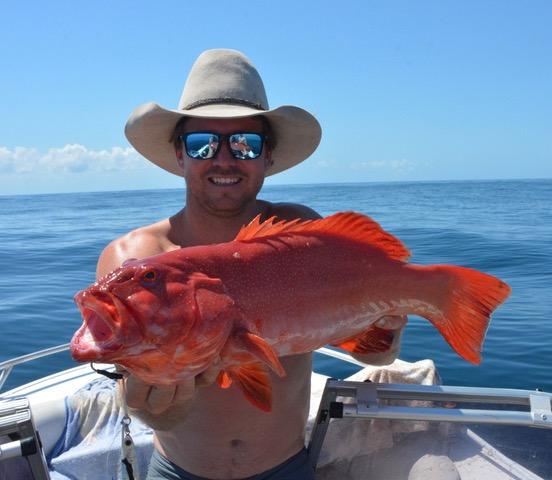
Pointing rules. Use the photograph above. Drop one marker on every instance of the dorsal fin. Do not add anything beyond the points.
(351, 225)
(270, 227)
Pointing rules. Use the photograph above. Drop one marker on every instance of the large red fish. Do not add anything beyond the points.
(277, 289)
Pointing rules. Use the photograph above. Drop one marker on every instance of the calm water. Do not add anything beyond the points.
(49, 245)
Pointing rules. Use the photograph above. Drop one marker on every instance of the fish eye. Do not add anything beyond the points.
(149, 277)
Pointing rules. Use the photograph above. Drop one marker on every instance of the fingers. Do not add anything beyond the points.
(160, 398)
(122, 370)
(392, 322)
(136, 392)
(184, 392)
(156, 398)
(208, 377)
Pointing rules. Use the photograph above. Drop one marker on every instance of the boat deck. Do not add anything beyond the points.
(354, 448)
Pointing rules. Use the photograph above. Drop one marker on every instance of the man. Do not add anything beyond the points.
(201, 430)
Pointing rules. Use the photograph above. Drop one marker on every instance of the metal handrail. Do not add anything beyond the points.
(7, 366)
(368, 405)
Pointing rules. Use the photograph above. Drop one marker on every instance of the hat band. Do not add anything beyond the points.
(226, 100)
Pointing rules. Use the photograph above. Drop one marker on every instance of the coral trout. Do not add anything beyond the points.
(279, 288)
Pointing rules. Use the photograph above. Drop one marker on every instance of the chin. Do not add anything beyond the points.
(227, 211)
(229, 206)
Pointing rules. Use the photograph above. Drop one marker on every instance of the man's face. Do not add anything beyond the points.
(223, 185)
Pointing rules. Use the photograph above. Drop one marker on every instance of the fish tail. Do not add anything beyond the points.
(467, 299)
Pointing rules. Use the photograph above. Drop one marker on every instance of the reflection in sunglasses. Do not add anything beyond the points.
(205, 145)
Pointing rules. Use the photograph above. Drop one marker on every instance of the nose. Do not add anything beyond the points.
(224, 155)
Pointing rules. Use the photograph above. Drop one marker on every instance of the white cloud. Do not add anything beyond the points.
(324, 163)
(398, 166)
(72, 158)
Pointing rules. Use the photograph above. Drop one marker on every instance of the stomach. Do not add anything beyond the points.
(225, 436)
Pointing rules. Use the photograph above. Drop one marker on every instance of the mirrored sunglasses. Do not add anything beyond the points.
(205, 145)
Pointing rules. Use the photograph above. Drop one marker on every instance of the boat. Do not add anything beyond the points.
(390, 423)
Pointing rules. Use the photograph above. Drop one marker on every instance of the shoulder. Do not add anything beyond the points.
(291, 211)
(139, 243)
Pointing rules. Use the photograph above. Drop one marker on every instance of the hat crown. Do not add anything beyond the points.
(223, 76)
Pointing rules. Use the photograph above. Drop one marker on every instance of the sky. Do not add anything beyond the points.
(404, 90)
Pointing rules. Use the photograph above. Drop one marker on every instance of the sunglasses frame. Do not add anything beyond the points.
(221, 138)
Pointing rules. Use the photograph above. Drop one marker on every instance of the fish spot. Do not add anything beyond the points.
(236, 255)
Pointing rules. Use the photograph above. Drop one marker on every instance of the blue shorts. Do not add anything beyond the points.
(297, 467)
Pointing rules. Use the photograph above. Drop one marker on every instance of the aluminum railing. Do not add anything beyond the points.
(7, 366)
(368, 396)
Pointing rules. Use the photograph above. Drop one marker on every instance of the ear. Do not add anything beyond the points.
(179, 158)
(268, 159)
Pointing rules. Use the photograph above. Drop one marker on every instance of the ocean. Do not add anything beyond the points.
(49, 245)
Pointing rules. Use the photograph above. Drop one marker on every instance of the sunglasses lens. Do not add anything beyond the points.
(204, 145)
(201, 145)
(245, 146)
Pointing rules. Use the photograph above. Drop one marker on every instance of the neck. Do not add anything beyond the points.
(192, 227)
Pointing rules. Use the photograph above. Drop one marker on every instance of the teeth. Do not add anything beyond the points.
(225, 180)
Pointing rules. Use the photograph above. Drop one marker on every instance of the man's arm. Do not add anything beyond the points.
(394, 324)
(159, 406)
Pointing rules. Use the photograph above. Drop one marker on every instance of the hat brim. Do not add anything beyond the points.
(150, 128)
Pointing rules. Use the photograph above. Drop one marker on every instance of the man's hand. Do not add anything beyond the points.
(156, 399)
(395, 325)
(392, 322)
(161, 406)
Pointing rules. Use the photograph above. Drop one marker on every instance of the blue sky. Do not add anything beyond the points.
(404, 90)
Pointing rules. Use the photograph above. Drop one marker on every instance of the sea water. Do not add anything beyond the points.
(49, 245)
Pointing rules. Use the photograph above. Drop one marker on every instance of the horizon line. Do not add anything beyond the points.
(374, 182)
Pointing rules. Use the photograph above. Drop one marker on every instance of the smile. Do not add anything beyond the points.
(224, 181)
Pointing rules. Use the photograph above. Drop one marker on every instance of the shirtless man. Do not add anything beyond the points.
(201, 430)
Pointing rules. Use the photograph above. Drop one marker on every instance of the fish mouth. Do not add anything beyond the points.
(96, 339)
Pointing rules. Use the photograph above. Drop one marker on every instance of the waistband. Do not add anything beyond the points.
(297, 467)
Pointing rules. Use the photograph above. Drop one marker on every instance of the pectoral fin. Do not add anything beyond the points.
(224, 380)
(260, 349)
(373, 340)
(254, 382)
(251, 355)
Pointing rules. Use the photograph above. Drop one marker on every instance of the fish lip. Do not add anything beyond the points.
(91, 303)
(84, 345)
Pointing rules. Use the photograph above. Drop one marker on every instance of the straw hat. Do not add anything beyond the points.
(223, 84)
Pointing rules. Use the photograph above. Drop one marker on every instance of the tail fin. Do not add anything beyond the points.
(470, 298)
